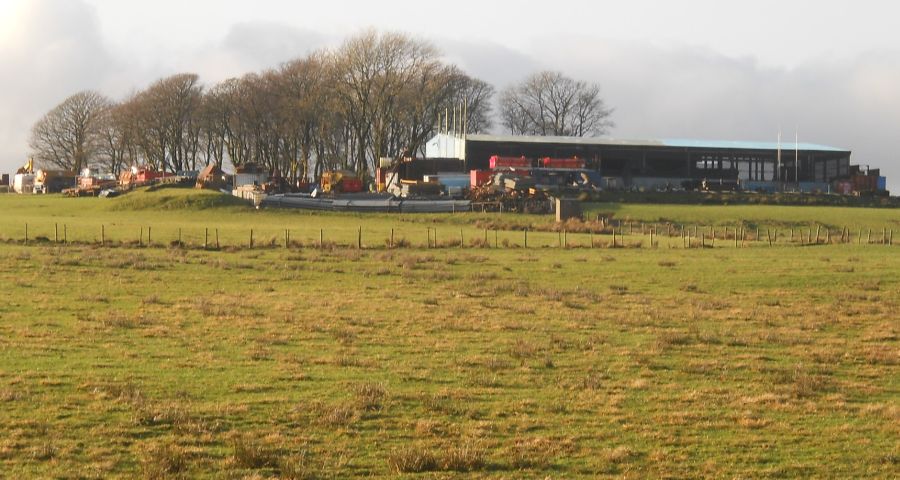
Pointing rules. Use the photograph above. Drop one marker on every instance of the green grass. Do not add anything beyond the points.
(760, 362)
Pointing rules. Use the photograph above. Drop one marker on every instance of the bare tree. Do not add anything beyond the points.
(68, 136)
(549, 103)
(166, 121)
(373, 72)
(475, 98)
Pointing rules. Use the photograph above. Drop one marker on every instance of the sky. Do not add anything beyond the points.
(826, 70)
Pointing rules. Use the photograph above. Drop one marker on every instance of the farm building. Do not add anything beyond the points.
(662, 163)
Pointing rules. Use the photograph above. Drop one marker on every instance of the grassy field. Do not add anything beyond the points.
(432, 363)
(196, 217)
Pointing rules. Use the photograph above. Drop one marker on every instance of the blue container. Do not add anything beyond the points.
(882, 184)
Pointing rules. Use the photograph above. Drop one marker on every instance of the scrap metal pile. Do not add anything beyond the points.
(519, 184)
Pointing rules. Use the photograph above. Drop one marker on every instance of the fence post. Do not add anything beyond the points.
(65, 234)
(496, 238)
(321, 238)
(149, 242)
(206, 238)
(286, 239)
(817, 233)
(217, 239)
(103, 235)
(179, 236)
(26, 234)
(592, 237)
(565, 239)
(485, 238)
(140, 236)
(651, 237)
(526, 238)
(883, 236)
(55, 233)
(869, 236)
(461, 242)
(391, 244)
(251, 238)
(859, 238)
(359, 238)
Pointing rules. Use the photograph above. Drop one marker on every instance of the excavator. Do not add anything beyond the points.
(27, 168)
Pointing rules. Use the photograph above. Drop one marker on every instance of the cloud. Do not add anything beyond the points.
(57, 49)
(684, 92)
(52, 49)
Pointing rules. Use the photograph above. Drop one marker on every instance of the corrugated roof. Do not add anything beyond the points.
(675, 143)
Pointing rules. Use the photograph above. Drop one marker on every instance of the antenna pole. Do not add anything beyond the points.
(778, 170)
(465, 116)
(797, 156)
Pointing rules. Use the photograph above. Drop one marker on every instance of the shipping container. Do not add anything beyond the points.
(562, 162)
(478, 178)
(882, 184)
(509, 162)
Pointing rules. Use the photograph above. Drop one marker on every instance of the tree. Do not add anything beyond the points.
(388, 85)
(68, 136)
(167, 124)
(549, 103)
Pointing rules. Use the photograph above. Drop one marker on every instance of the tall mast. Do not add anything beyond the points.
(796, 156)
(778, 169)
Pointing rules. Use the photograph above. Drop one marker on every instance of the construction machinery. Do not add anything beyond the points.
(23, 181)
(341, 181)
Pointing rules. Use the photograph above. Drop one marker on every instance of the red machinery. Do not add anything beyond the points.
(575, 163)
(509, 162)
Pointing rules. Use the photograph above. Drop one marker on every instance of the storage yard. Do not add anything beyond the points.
(514, 173)
(494, 360)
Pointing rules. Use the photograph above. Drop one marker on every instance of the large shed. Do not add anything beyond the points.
(652, 162)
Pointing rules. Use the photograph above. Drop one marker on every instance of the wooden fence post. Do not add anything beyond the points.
(140, 237)
(391, 244)
(206, 238)
(321, 238)
(65, 234)
(26, 234)
(149, 242)
(55, 233)
(526, 238)
(359, 238)
(461, 240)
(251, 238)
(217, 239)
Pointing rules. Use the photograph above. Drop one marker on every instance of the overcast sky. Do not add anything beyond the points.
(735, 70)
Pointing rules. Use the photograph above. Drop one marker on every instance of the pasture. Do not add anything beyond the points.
(510, 362)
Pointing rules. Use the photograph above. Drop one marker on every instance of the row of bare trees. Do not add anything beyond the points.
(377, 95)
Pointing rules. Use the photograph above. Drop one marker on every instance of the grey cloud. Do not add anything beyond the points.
(55, 50)
(672, 92)
(261, 45)
(657, 91)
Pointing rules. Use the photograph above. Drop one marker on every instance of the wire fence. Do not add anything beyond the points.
(622, 235)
